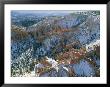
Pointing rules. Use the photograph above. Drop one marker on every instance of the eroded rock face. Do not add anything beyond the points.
(49, 37)
(83, 68)
(53, 73)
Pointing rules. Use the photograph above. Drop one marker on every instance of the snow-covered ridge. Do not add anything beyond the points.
(49, 38)
(90, 47)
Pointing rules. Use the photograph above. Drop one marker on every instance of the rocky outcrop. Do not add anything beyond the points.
(54, 35)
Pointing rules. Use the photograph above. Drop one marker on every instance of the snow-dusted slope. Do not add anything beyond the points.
(49, 37)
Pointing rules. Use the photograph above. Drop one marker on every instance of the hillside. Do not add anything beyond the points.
(58, 45)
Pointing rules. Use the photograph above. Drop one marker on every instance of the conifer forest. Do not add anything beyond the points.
(60, 43)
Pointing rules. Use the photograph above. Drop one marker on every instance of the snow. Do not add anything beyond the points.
(52, 61)
(90, 47)
(66, 68)
(39, 65)
(88, 35)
